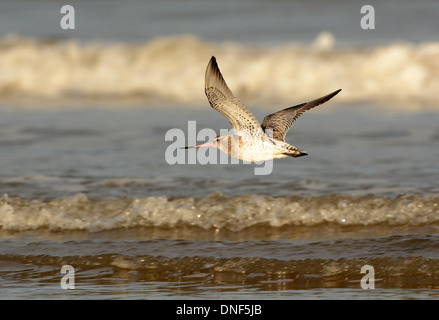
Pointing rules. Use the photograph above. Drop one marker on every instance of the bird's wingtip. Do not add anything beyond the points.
(334, 93)
(213, 77)
(212, 61)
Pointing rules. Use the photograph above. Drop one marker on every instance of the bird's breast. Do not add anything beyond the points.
(251, 150)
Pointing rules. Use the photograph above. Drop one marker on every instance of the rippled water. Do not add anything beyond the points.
(236, 269)
(85, 182)
(90, 188)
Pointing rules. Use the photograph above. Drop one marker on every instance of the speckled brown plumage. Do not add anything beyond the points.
(251, 141)
(280, 122)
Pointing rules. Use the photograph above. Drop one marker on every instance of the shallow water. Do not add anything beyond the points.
(85, 180)
(91, 188)
(116, 152)
(405, 267)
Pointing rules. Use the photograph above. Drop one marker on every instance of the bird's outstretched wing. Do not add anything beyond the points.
(280, 122)
(222, 100)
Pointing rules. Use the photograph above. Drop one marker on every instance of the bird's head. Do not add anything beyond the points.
(220, 142)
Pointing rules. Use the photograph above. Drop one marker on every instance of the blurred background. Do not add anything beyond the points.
(270, 51)
(96, 101)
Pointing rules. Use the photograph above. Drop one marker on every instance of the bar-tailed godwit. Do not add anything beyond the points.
(251, 141)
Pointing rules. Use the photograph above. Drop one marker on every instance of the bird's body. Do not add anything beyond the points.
(251, 141)
(255, 149)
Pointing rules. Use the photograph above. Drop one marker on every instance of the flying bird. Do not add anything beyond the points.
(251, 141)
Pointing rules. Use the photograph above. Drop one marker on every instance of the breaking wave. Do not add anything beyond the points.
(216, 211)
(172, 69)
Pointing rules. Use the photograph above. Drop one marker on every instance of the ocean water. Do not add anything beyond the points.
(85, 180)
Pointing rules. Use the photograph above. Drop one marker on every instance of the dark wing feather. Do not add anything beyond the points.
(280, 122)
(222, 100)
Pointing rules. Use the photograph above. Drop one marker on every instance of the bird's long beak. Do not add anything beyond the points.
(207, 144)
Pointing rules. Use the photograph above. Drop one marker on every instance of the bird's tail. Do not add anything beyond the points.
(296, 153)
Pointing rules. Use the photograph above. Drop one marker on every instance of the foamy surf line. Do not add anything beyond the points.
(172, 69)
(215, 212)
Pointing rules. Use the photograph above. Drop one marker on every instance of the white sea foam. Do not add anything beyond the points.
(172, 69)
(215, 211)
